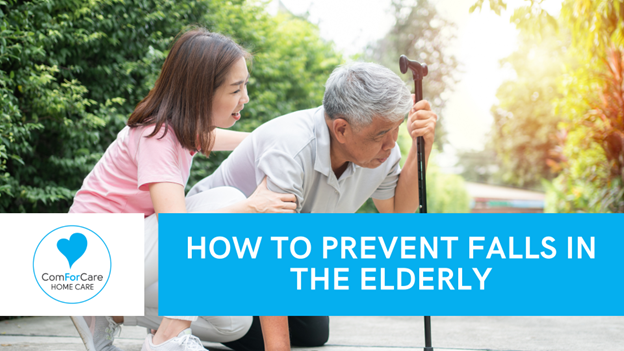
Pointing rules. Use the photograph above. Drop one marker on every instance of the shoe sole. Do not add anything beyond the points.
(85, 333)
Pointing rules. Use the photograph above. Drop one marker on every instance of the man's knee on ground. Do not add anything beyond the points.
(316, 339)
(309, 331)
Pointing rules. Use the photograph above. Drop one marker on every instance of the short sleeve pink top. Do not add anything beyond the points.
(119, 182)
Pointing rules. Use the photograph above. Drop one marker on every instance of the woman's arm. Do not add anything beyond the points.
(227, 140)
(167, 197)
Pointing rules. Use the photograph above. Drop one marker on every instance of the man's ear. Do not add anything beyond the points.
(341, 129)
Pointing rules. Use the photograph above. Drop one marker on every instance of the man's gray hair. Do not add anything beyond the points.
(361, 91)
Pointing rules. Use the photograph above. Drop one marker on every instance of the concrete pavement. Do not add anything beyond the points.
(373, 334)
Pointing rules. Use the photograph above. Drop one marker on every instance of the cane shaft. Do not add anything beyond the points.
(422, 188)
(418, 73)
(420, 153)
(428, 346)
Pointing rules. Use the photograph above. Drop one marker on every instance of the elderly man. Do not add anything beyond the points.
(332, 158)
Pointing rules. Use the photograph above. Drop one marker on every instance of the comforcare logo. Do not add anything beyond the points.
(72, 264)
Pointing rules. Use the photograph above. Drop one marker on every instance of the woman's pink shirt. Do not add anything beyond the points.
(119, 182)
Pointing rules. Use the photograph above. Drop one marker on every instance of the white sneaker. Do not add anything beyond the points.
(97, 333)
(185, 341)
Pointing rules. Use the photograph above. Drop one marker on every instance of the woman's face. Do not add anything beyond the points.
(231, 96)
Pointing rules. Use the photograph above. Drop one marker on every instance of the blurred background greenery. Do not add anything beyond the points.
(71, 72)
(559, 124)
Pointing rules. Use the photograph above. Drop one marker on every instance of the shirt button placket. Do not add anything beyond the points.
(336, 201)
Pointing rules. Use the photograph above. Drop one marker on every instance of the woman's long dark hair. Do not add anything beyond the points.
(196, 66)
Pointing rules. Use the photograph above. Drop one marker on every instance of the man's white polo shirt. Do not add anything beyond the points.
(293, 151)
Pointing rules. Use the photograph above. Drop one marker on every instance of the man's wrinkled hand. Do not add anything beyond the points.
(422, 122)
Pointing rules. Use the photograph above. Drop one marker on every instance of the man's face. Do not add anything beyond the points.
(370, 146)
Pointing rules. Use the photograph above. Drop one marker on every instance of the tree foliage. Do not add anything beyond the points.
(71, 72)
(421, 34)
(589, 144)
(525, 121)
(481, 166)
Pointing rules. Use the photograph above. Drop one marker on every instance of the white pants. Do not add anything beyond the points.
(215, 329)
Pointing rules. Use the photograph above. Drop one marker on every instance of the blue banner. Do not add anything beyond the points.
(391, 264)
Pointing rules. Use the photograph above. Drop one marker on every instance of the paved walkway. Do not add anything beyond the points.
(373, 334)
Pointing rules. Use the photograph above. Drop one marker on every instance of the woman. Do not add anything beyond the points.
(202, 86)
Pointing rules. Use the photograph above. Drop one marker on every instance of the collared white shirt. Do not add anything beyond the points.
(294, 152)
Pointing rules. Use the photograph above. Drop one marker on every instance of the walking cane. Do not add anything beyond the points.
(419, 71)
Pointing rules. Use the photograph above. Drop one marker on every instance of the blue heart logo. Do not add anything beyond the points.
(73, 248)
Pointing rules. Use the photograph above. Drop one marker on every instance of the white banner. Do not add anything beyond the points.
(71, 264)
